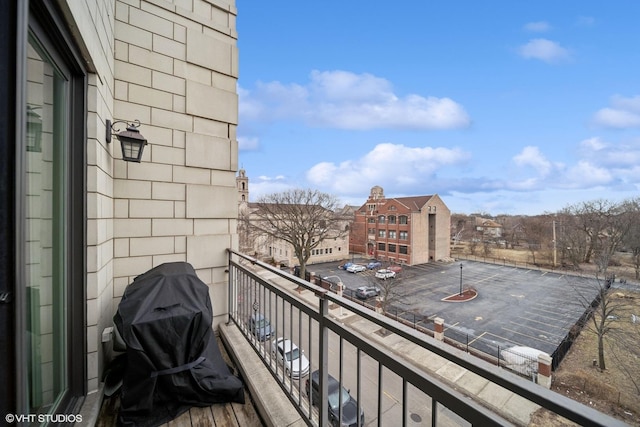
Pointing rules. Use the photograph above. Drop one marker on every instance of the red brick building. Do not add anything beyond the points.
(403, 230)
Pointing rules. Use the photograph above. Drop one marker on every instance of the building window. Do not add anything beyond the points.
(392, 234)
(403, 235)
(392, 208)
(381, 219)
(402, 219)
(371, 220)
(382, 233)
(392, 219)
(392, 247)
(403, 249)
(381, 246)
(371, 231)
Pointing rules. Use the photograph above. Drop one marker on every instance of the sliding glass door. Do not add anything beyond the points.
(52, 187)
(46, 243)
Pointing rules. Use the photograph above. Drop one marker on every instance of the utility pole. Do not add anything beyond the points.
(555, 244)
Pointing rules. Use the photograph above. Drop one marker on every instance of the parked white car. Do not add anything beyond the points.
(296, 364)
(385, 274)
(356, 268)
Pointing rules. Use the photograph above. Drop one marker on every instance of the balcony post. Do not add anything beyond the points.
(323, 334)
(544, 370)
(438, 328)
(232, 290)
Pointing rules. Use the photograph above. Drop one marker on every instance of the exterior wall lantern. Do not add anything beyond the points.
(34, 130)
(131, 140)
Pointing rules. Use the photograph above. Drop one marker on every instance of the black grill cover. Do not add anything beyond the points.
(172, 358)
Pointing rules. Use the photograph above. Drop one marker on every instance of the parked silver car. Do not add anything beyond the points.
(365, 292)
(385, 274)
(296, 364)
(260, 327)
(356, 268)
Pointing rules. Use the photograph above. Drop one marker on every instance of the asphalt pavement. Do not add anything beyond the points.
(514, 307)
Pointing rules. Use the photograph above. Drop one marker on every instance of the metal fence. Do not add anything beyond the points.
(384, 385)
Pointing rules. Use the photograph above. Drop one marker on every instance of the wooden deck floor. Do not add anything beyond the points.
(217, 415)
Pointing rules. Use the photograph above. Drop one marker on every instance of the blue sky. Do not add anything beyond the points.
(500, 107)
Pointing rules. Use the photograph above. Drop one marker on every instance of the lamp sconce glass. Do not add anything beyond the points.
(34, 129)
(131, 140)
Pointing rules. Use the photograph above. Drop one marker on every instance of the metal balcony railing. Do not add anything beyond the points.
(378, 363)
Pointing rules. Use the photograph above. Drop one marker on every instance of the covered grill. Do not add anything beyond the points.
(172, 357)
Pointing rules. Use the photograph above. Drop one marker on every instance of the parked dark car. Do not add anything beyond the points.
(349, 404)
(373, 264)
(365, 292)
(260, 327)
(345, 265)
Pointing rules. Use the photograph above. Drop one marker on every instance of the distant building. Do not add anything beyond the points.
(488, 228)
(269, 248)
(404, 230)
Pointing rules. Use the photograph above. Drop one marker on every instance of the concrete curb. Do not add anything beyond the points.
(274, 407)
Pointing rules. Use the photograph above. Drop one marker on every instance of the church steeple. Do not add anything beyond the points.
(242, 184)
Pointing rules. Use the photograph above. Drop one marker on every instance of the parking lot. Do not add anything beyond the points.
(514, 306)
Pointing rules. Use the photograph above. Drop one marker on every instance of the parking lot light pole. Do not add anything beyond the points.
(460, 279)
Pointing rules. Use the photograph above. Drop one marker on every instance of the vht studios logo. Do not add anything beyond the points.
(43, 418)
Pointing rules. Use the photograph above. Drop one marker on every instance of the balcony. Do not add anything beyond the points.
(396, 374)
(392, 374)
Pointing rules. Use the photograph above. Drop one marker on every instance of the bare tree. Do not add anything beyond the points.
(603, 311)
(304, 218)
(486, 247)
(513, 230)
(625, 340)
(389, 290)
(536, 231)
(631, 239)
(595, 219)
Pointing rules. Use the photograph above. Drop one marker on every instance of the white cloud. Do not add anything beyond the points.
(345, 100)
(531, 156)
(248, 144)
(544, 50)
(586, 21)
(395, 166)
(615, 118)
(263, 185)
(592, 144)
(623, 113)
(585, 174)
(619, 158)
(537, 27)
